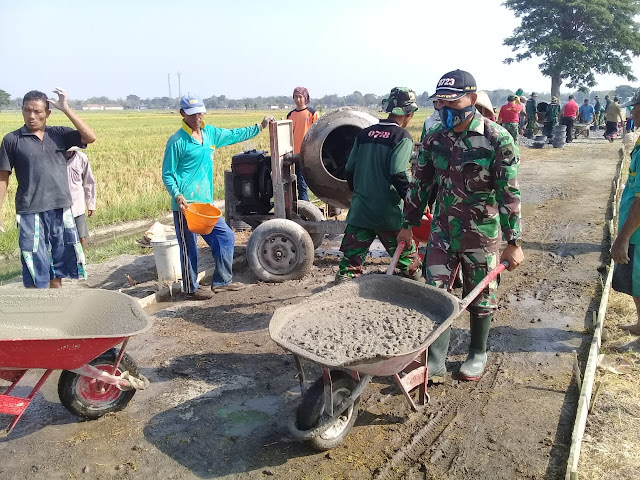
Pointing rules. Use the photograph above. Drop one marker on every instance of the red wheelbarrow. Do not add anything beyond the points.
(74, 331)
(329, 406)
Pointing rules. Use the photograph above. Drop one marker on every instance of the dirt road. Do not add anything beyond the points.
(222, 391)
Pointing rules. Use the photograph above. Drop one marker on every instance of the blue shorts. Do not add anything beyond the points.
(49, 247)
(626, 278)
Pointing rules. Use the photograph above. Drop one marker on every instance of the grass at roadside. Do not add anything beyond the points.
(127, 160)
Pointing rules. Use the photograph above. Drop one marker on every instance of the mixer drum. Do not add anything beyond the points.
(325, 150)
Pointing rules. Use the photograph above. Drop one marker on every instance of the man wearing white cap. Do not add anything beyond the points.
(187, 173)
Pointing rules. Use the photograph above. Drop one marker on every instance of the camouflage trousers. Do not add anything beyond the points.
(512, 128)
(531, 124)
(441, 266)
(356, 243)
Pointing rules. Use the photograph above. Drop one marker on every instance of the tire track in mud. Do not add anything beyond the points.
(428, 444)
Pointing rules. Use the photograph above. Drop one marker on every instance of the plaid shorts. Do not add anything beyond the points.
(49, 247)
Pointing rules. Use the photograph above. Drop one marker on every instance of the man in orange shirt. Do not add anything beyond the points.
(302, 118)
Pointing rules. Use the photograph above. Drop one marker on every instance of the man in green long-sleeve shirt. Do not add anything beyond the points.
(377, 174)
(187, 173)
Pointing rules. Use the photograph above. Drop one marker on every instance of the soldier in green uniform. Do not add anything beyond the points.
(551, 118)
(531, 108)
(377, 174)
(473, 163)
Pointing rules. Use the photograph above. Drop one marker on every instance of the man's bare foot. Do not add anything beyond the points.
(633, 329)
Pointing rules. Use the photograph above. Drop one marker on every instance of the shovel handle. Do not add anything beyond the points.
(464, 303)
(396, 257)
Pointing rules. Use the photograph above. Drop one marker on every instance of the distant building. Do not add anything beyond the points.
(95, 106)
(274, 107)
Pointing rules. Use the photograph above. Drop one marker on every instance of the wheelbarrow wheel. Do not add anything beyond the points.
(310, 411)
(91, 399)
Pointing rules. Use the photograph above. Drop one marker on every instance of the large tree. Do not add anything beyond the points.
(576, 39)
(5, 98)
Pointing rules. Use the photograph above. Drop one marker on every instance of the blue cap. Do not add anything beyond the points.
(192, 104)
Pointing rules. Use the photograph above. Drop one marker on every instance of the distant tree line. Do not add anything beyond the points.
(368, 100)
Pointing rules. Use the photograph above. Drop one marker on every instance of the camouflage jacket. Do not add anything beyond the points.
(478, 193)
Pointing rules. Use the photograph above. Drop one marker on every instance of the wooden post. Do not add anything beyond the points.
(576, 370)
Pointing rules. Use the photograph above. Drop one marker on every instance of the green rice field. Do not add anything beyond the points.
(127, 159)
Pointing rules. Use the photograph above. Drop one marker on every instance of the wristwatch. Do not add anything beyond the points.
(516, 242)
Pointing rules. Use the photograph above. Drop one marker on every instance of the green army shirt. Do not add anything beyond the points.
(377, 172)
(475, 172)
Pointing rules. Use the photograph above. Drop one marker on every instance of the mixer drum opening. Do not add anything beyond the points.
(325, 151)
(336, 149)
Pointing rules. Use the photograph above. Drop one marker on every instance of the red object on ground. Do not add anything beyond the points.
(422, 232)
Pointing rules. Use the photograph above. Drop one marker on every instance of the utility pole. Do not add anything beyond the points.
(179, 87)
(169, 80)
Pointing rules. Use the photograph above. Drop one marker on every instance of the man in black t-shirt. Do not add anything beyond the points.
(49, 244)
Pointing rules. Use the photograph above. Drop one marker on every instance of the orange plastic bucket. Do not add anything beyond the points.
(201, 217)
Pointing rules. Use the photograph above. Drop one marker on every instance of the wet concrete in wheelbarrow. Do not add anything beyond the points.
(222, 391)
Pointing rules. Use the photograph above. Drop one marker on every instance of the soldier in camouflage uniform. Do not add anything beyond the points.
(531, 108)
(473, 163)
(377, 174)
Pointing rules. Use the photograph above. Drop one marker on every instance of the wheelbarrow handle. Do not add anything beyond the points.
(491, 276)
(396, 257)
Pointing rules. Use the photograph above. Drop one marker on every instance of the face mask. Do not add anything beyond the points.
(452, 117)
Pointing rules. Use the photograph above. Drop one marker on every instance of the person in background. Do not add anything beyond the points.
(187, 174)
(531, 109)
(523, 116)
(302, 117)
(82, 186)
(485, 107)
(473, 163)
(551, 117)
(597, 111)
(569, 114)
(586, 112)
(607, 102)
(613, 116)
(377, 174)
(626, 273)
(47, 235)
(630, 122)
(509, 117)
(431, 120)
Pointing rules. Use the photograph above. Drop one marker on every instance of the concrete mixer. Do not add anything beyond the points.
(260, 190)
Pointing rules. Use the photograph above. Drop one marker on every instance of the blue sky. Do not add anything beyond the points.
(250, 48)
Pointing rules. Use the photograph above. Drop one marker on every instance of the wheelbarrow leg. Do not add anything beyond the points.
(301, 376)
(17, 405)
(416, 375)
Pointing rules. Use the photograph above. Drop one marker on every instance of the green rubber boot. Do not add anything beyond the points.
(437, 356)
(473, 367)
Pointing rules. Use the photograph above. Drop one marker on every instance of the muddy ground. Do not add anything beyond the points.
(222, 391)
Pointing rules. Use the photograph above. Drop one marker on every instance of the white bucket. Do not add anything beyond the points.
(167, 256)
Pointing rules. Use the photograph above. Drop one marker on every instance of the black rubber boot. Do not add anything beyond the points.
(473, 367)
(437, 356)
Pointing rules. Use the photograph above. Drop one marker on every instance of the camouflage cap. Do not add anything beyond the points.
(401, 101)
